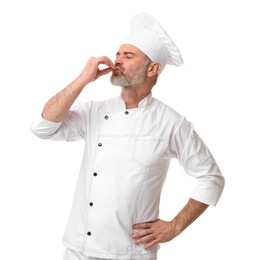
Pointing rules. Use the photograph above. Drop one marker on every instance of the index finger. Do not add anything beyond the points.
(106, 61)
(142, 225)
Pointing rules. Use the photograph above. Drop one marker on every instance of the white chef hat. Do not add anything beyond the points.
(149, 36)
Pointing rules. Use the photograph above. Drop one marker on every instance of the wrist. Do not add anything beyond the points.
(177, 225)
(82, 80)
(79, 83)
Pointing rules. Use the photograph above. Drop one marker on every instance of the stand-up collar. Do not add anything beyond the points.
(143, 103)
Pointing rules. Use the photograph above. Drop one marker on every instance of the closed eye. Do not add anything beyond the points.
(127, 54)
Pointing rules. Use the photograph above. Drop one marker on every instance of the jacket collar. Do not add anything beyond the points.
(143, 103)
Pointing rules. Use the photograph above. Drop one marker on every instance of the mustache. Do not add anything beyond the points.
(119, 67)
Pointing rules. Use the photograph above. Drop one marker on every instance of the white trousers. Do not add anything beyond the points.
(74, 255)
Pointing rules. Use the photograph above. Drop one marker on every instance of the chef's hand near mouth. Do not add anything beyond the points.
(91, 71)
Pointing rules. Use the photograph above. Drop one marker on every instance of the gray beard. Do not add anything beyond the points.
(123, 81)
(126, 81)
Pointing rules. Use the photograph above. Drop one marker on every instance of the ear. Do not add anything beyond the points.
(153, 68)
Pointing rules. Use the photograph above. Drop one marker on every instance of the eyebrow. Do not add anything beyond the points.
(126, 53)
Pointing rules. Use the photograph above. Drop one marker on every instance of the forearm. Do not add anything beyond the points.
(160, 231)
(58, 106)
(190, 212)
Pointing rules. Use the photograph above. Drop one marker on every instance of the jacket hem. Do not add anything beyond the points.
(105, 255)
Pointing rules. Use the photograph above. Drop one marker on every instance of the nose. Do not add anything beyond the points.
(118, 61)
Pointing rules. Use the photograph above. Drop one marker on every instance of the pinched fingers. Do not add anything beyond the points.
(106, 61)
(92, 70)
(108, 66)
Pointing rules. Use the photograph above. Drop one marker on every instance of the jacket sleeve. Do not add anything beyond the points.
(196, 159)
(73, 127)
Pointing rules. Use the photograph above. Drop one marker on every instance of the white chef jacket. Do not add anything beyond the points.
(125, 162)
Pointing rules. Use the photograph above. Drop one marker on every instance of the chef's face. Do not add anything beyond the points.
(132, 66)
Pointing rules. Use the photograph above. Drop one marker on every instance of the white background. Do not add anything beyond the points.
(43, 47)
